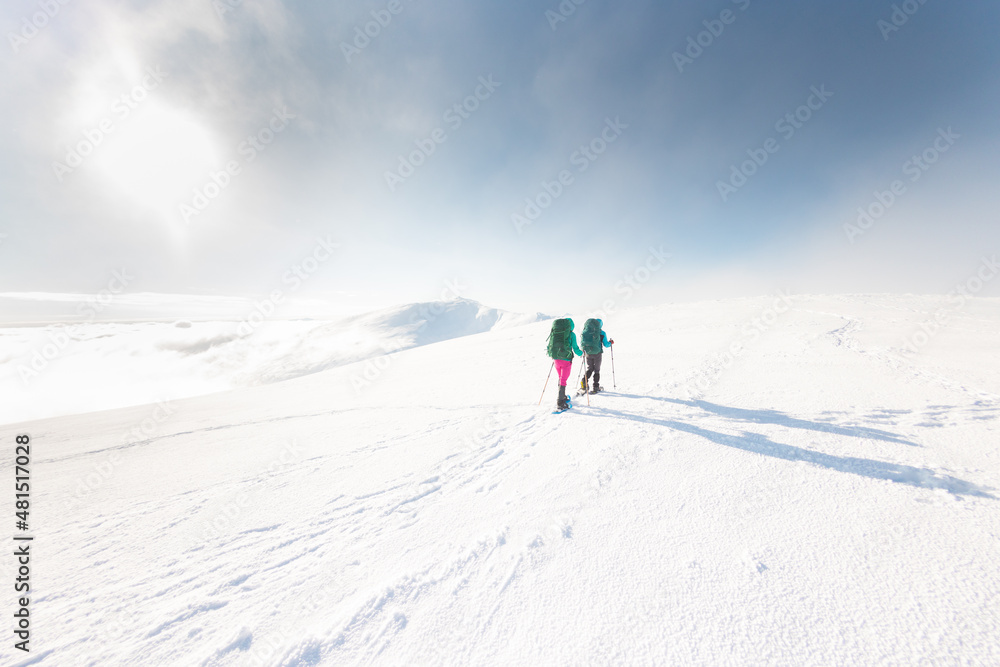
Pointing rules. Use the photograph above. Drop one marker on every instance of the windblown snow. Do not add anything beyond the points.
(802, 481)
(54, 368)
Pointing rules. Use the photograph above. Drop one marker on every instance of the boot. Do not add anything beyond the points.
(597, 384)
(562, 403)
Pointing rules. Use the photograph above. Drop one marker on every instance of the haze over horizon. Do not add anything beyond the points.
(538, 156)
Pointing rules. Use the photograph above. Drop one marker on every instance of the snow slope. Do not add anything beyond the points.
(55, 369)
(818, 498)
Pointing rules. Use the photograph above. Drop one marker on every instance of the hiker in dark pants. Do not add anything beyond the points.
(593, 340)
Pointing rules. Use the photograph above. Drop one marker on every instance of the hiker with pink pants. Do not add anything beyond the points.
(561, 348)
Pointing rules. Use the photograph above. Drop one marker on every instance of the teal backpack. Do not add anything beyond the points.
(560, 346)
(590, 339)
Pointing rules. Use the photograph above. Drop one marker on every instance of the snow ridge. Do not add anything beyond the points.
(50, 368)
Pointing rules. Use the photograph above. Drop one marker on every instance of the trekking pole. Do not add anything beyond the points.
(546, 383)
(613, 383)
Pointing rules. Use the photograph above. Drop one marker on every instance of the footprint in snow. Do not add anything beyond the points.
(240, 579)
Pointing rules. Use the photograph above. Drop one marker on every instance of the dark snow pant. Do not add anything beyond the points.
(594, 367)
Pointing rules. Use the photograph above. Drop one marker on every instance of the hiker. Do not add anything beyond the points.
(562, 345)
(594, 340)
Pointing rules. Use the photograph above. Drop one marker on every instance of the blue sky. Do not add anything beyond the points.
(329, 121)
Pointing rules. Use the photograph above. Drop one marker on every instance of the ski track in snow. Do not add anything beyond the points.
(340, 557)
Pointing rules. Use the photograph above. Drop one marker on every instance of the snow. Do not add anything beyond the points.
(52, 368)
(820, 497)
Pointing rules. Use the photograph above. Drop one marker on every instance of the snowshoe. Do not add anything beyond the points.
(563, 402)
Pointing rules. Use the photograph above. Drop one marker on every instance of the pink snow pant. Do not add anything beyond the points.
(563, 368)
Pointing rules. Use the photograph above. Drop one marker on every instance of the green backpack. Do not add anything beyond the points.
(590, 339)
(560, 346)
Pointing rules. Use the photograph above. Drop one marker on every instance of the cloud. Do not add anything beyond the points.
(354, 117)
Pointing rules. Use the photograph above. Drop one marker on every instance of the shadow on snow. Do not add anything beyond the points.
(781, 419)
(760, 444)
